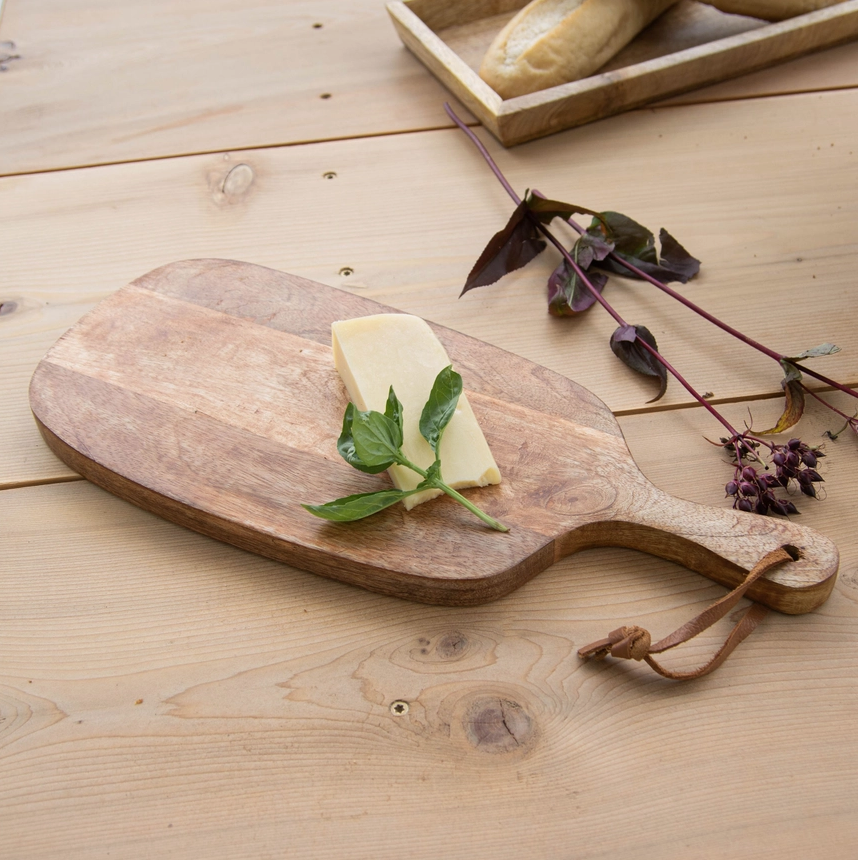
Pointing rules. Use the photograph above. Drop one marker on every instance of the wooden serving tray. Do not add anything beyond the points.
(205, 391)
(688, 47)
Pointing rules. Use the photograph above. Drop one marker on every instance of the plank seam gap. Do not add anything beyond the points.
(743, 398)
(426, 129)
(220, 150)
(40, 482)
(748, 98)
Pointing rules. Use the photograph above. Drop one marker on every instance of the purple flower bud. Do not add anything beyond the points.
(808, 490)
(744, 505)
(784, 507)
(761, 506)
(749, 473)
(732, 488)
(747, 488)
(792, 459)
(794, 444)
(809, 459)
(779, 458)
(812, 475)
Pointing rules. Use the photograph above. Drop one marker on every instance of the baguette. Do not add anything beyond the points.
(551, 42)
(770, 10)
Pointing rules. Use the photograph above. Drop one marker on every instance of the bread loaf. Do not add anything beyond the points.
(551, 42)
(771, 10)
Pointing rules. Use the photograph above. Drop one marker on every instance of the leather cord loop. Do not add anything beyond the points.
(635, 643)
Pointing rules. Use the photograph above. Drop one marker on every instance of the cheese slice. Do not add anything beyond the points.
(371, 354)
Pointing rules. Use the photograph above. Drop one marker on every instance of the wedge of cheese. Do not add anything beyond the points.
(371, 354)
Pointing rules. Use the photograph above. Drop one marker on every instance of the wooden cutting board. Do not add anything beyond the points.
(205, 391)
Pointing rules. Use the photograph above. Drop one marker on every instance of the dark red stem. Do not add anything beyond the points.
(777, 356)
(584, 279)
(829, 405)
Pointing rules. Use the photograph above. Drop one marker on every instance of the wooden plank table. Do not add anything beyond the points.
(163, 695)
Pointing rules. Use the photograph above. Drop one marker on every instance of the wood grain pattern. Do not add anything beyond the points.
(95, 82)
(119, 221)
(167, 694)
(690, 46)
(205, 391)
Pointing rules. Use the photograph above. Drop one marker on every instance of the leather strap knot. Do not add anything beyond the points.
(634, 643)
(629, 643)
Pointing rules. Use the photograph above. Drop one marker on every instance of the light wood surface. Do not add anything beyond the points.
(95, 82)
(125, 220)
(166, 695)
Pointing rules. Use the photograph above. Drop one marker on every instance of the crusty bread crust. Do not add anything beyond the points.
(551, 42)
(771, 10)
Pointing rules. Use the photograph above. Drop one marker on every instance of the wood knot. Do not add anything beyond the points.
(498, 725)
(237, 182)
(451, 645)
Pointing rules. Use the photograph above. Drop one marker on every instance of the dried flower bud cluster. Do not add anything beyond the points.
(789, 466)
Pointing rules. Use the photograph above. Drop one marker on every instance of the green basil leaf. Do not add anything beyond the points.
(433, 476)
(358, 506)
(346, 445)
(377, 439)
(440, 407)
(393, 410)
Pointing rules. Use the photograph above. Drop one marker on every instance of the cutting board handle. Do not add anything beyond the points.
(723, 544)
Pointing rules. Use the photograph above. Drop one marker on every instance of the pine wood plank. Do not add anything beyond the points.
(405, 217)
(166, 693)
(96, 82)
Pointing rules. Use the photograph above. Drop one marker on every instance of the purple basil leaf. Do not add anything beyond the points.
(567, 294)
(509, 249)
(625, 345)
(676, 260)
(589, 249)
(547, 210)
(636, 244)
(632, 241)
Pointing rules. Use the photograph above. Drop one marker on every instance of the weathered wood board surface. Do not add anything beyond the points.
(773, 252)
(99, 82)
(169, 694)
(166, 695)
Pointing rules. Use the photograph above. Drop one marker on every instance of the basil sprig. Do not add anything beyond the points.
(372, 442)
